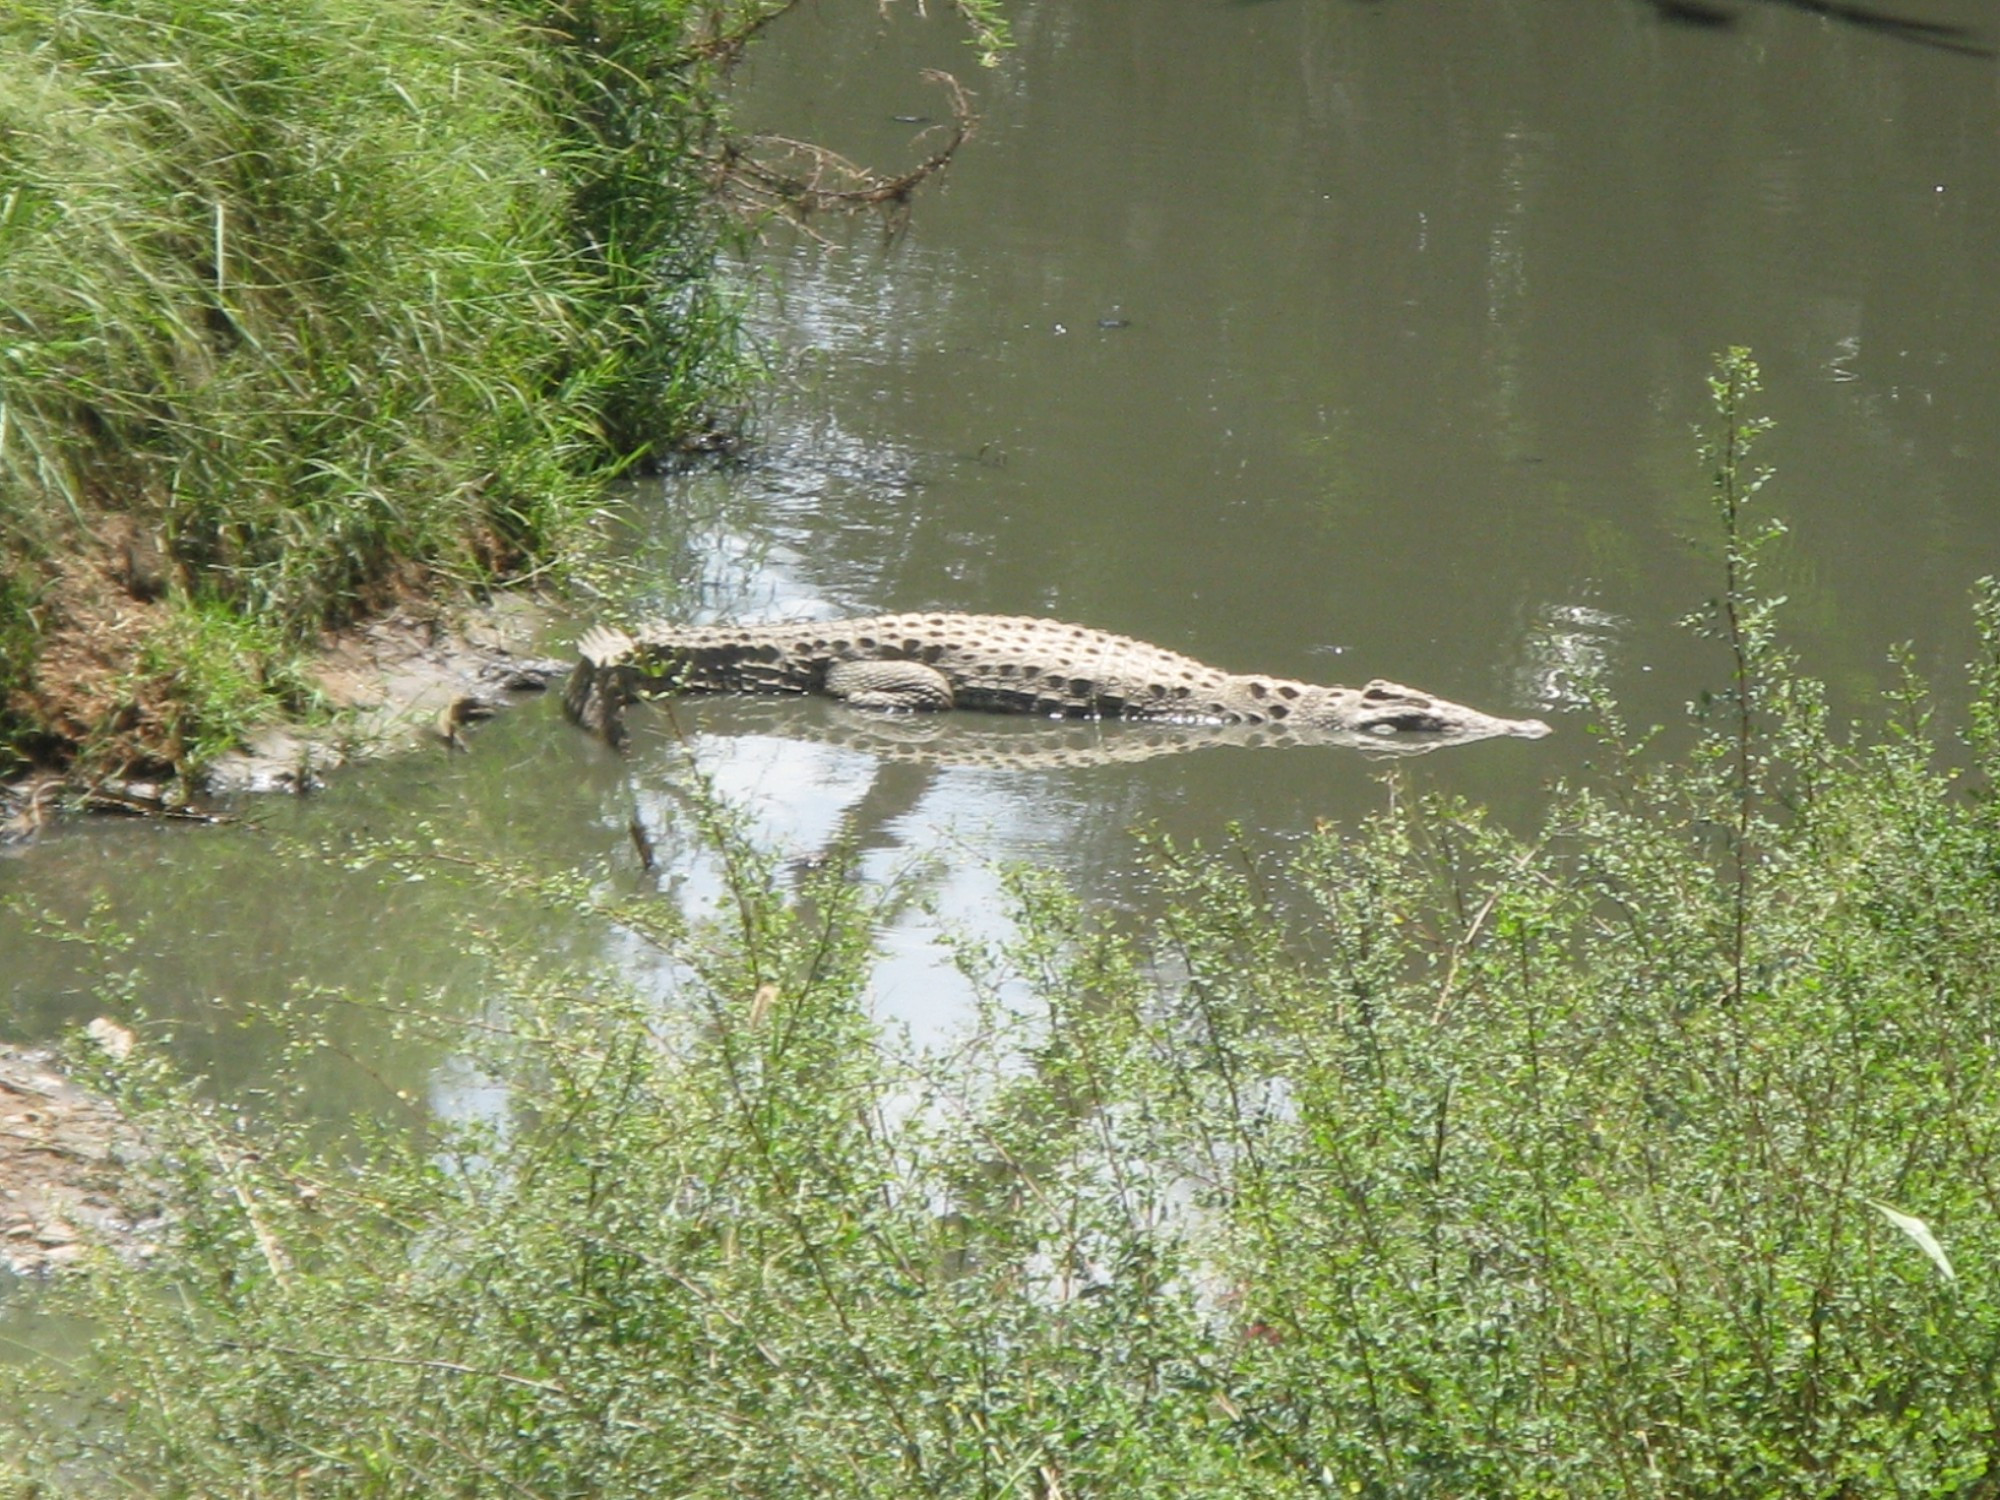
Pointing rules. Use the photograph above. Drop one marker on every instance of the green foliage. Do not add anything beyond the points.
(17, 650)
(629, 86)
(986, 28)
(331, 293)
(704, 1251)
(1654, 1155)
(215, 676)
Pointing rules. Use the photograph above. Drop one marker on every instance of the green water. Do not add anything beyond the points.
(1326, 339)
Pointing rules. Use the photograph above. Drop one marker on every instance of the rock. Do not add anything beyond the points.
(71, 1166)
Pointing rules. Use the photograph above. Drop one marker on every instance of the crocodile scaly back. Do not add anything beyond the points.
(1001, 663)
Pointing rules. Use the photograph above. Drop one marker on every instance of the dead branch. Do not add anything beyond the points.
(724, 47)
(767, 174)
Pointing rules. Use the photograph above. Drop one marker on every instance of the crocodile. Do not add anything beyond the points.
(1000, 663)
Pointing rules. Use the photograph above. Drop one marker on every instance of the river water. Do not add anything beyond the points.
(1325, 339)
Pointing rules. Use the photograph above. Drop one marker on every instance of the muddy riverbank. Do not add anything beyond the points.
(413, 678)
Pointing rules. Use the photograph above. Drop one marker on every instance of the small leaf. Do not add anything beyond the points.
(1919, 1232)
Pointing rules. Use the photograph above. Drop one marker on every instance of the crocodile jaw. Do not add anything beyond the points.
(1389, 709)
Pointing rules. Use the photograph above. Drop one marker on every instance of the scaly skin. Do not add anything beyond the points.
(1000, 663)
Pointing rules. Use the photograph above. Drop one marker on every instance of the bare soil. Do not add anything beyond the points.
(101, 604)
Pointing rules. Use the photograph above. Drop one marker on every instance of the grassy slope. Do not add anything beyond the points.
(303, 302)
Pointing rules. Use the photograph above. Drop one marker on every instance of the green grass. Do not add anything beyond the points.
(338, 298)
(1654, 1154)
(215, 676)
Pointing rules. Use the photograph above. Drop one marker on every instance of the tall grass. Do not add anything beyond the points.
(325, 295)
(1656, 1154)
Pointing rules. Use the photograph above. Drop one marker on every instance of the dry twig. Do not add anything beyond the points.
(765, 174)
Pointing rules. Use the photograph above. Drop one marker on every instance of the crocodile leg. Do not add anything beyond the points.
(889, 684)
(601, 684)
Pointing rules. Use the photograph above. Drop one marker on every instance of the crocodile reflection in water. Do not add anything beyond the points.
(1009, 664)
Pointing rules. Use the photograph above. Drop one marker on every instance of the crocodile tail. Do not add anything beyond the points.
(599, 686)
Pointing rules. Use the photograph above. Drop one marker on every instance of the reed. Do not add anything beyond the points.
(319, 298)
